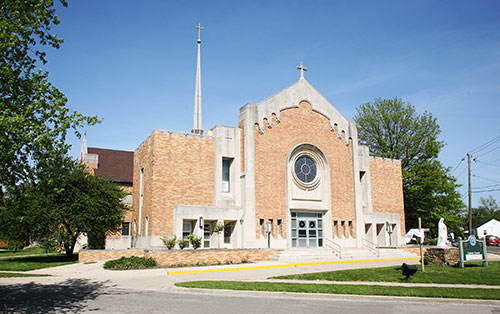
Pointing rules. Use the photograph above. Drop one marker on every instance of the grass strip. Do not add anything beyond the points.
(441, 274)
(12, 275)
(36, 262)
(29, 251)
(425, 292)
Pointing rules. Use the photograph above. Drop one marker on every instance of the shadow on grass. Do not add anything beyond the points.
(69, 296)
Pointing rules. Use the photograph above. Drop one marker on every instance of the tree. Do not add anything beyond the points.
(394, 129)
(34, 118)
(488, 209)
(62, 203)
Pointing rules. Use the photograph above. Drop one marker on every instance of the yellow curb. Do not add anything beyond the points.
(183, 272)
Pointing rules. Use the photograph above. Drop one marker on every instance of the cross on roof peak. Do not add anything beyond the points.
(302, 69)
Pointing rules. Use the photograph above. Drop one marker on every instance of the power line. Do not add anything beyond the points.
(494, 149)
(459, 163)
(487, 186)
(491, 190)
(485, 178)
(480, 148)
(486, 163)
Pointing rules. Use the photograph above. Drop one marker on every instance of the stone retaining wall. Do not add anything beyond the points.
(183, 257)
(443, 255)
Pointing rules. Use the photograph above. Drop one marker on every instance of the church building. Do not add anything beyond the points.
(291, 174)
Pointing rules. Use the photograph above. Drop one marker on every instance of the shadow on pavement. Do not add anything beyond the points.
(66, 297)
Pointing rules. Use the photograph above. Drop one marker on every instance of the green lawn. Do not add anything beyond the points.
(471, 274)
(25, 263)
(28, 251)
(461, 293)
(10, 275)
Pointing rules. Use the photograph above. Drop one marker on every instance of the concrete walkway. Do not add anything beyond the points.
(164, 279)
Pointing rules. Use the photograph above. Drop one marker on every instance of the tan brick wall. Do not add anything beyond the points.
(128, 215)
(178, 170)
(100, 255)
(387, 188)
(173, 258)
(297, 126)
(176, 257)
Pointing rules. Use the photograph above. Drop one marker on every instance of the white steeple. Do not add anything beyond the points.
(84, 149)
(197, 127)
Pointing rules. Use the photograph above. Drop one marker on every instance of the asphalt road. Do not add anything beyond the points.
(493, 249)
(84, 296)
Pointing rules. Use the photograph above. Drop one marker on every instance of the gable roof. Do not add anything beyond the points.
(117, 165)
(291, 97)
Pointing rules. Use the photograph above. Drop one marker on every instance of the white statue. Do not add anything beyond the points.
(442, 233)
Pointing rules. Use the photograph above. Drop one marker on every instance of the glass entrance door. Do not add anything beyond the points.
(307, 230)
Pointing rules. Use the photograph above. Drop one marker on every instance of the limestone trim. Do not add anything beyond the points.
(317, 199)
(290, 98)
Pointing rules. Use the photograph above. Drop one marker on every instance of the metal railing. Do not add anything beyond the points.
(370, 246)
(335, 247)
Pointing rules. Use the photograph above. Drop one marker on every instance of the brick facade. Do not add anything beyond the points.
(178, 169)
(387, 188)
(297, 126)
(184, 257)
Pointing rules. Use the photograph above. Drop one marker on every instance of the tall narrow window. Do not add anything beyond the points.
(228, 231)
(125, 228)
(187, 228)
(279, 227)
(261, 227)
(141, 200)
(146, 227)
(226, 171)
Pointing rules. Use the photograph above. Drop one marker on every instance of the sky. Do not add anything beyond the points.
(133, 64)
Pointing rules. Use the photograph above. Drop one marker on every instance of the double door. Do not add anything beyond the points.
(307, 230)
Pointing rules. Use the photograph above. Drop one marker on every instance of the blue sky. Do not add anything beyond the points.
(133, 64)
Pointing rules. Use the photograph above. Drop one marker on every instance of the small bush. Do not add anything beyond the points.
(132, 262)
(169, 241)
(195, 241)
(182, 243)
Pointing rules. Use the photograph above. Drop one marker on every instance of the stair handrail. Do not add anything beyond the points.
(336, 248)
(371, 246)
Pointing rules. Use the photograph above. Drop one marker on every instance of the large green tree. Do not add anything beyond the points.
(63, 202)
(393, 128)
(34, 118)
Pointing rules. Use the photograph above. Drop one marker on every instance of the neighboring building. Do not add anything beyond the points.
(116, 165)
(293, 165)
(491, 227)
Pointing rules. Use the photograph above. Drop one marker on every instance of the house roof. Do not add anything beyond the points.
(117, 165)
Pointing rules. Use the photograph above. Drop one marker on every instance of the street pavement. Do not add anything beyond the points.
(88, 288)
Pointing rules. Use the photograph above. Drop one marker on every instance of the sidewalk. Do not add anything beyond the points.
(164, 279)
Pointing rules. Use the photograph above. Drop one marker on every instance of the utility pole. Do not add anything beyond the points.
(470, 194)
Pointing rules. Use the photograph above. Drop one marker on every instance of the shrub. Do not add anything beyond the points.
(132, 262)
(195, 241)
(169, 241)
(182, 243)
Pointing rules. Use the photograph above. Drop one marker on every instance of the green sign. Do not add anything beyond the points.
(472, 250)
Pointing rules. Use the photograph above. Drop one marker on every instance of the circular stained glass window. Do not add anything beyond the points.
(305, 169)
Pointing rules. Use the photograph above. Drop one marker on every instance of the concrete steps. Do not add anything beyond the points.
(311, 255)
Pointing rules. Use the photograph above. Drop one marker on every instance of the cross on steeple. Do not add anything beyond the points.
(199, 27)
(302, 69)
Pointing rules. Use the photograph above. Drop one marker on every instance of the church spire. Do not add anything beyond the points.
(197, 128)
(84, 149)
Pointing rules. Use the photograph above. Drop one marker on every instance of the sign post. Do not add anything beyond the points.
(421, 242)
